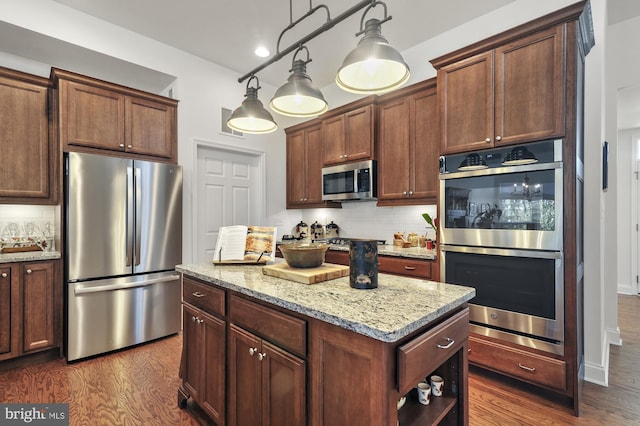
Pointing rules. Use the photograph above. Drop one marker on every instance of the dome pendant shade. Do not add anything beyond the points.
(298, 97)
(373, 66)
(251, 116)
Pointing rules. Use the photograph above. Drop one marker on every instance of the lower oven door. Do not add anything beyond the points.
(519, 293)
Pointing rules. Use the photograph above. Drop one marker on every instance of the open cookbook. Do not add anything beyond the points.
(245, 244)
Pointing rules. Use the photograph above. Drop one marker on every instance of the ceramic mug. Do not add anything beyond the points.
(437, 385)
(424, 393)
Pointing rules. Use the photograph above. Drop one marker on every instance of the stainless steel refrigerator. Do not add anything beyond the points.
(123, 235)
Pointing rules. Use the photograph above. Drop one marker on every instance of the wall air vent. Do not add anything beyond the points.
(224, 116)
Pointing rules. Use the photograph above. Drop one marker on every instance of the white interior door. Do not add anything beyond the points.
(229, 191)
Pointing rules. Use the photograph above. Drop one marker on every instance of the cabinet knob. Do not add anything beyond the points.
(193, 319)
(121, 145)
(129, 146)
(252, 351)
(261, 356)
(29, 271)
(404, 192)
(498, 138)
(410, 192)
(487, 140)
(4, 275)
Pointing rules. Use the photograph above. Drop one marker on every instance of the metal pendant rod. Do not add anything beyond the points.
(325, 27)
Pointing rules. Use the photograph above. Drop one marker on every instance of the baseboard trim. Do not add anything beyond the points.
(599, 374)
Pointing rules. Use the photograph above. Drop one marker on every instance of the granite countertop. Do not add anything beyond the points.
(398, 307)
(391, 250)
(28, 256)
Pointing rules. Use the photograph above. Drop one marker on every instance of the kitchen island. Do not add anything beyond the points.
(261, 349)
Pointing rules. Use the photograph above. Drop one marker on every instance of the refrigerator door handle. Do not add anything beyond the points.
(130, 216)
(124, 286)
(138, 214)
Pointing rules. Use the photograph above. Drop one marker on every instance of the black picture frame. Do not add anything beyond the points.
(605, 165)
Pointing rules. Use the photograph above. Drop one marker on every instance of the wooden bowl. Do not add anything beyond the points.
(304, 255)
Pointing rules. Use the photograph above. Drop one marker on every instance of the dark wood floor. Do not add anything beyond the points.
(139, 387)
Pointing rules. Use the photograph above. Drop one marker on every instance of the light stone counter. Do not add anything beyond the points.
(391, 250)
(28, 256)
(398, 307)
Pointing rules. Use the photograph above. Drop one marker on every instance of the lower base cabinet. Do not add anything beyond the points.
(285, 369)
(29, 308)
(266, 384)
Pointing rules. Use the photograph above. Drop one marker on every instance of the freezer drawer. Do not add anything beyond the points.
(115, 313)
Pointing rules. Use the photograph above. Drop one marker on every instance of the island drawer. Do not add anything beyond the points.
(517, 363)
(286, 331)
(405, 266)
(422, 355)
(203, 296)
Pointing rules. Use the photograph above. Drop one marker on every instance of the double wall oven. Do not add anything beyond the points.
(501, 217)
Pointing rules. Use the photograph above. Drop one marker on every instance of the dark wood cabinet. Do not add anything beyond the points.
(388, 371)
(95, 115)
(404, 266)
(510, 94)
(408, 146)
(304, 167)
(348, 133)
(523, 85)
(267, 384)
(204, 354)
(29, 154)
(29, 308)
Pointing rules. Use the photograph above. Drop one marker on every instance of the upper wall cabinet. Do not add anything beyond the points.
(510, 94)
(95, 115)
(348, 133)
(29, 164)
(408, 145)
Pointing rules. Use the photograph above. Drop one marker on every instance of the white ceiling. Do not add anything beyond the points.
(227, 32)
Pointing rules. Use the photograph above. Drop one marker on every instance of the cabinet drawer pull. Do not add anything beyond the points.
(29, 271)
(261, 356)
(4, 275)
(450, 343)
(197, 294)
(252, 351)
(410, 268)
(524, 367)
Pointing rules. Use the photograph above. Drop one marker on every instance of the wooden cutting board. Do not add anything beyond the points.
(324, 272)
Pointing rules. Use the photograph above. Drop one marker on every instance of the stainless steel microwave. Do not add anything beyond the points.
(350, 182)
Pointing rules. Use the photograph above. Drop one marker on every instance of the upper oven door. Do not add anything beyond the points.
(517, 207)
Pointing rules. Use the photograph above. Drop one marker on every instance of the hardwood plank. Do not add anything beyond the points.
(139, 386)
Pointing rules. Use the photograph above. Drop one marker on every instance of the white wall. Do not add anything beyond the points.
(203, 88)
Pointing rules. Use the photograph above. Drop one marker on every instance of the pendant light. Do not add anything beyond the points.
(373, 66)
(251, 116)
(298, 97)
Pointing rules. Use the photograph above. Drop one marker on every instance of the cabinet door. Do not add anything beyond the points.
(24, 132)
(333, 140)
(38, 306)
(9, 318)
(395, 150)
(465, 93)
(314, 165)
(150, 127)
(359, 134)
(245, 378)
(424, 177)
(193, 354)
(213, 360)
(284, 387)
(530, 87)
(94, 117)
(296, 169)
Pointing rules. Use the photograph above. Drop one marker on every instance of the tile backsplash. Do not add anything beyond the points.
(26, 221)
